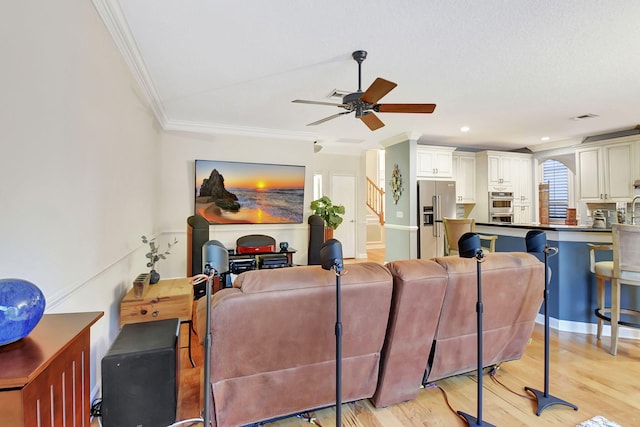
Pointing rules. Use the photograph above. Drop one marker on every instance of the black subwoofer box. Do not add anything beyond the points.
(140, 376)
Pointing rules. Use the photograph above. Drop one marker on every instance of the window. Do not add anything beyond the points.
(556, 174)
(317, 186)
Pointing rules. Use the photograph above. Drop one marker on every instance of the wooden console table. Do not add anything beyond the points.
(44, 380)
(167, 299)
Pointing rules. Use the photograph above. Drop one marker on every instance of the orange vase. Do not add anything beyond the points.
(328, 233)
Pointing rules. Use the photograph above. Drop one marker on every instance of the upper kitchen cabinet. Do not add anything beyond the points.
(522, 182)
(605, 172)
(499, 171)
(464, 173)
(434, 162)
(522, 172)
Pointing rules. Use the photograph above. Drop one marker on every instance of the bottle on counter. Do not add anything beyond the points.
(621, 210)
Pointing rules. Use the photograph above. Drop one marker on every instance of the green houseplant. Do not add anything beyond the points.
(329, 212)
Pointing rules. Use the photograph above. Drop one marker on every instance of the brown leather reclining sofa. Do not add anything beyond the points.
(273, 333)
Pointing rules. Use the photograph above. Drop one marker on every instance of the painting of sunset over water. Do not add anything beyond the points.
(249, 193)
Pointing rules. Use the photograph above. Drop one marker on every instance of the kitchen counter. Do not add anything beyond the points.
(550, 227)
(572, 287)
(556, 232)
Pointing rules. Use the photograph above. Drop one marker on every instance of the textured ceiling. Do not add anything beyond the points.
(513, 71)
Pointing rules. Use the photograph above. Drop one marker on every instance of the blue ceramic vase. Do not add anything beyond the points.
(21, 308)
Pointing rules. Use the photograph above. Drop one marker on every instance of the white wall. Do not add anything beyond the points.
(78, 163)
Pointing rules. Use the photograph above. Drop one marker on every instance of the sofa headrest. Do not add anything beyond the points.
(493, 261)
(311, 276)
(416, 269)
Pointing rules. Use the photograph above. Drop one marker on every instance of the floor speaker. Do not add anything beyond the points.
(140, 376)
(197, 236)
(316, 239)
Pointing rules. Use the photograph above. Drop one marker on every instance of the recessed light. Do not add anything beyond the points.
(465, 129)
(545, 138)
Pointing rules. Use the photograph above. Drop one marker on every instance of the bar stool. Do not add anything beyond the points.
(625, 271)
(603, 271)
(455, 228)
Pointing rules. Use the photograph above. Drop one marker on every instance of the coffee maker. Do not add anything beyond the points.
(599, 220)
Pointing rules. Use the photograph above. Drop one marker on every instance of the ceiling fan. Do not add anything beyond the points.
(365, 103)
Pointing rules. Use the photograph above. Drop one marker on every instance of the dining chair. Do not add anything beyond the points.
(454, 228)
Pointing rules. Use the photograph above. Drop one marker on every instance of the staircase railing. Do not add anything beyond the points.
(375, 199)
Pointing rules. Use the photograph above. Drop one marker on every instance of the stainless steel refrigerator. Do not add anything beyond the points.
(436, 199)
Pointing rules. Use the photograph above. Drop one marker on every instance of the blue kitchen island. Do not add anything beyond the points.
(572, 288)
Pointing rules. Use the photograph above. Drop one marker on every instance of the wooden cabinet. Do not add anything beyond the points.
(167, 299)
(522, 214)
(522, 185)
(500, 169)
(522, 180)
(504, 171)
(44, 380)
(434, 162)
(605, 173)
(464, 173)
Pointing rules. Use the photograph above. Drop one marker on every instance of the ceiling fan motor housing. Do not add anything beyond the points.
(352, 102)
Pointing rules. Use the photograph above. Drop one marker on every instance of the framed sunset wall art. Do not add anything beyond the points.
(249, 193)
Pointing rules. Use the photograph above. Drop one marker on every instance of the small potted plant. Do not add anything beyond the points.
(329, 212)
(154, 255)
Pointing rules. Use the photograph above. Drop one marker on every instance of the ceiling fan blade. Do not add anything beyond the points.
(303, 101)
(378, 89)
(326, 119)
(372, 121)
(405, 108)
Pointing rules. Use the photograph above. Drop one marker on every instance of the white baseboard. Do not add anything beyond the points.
(587, 328)
(375, 245)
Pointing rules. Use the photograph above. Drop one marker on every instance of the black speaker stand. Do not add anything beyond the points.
(471, 420)
(543, 397)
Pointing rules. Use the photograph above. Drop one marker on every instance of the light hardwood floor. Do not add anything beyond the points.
(581, 372)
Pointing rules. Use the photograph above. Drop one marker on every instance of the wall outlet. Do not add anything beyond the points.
(399, 214)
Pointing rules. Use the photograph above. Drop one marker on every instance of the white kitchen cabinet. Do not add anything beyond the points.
(522, 180)
(522, 214)
(434, 162)
(500, 172)
(605, 173)
(464, 173)
(504, 171)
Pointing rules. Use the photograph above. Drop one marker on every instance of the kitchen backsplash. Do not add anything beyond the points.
(610, 212)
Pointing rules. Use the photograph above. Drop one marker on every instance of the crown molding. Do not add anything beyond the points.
(554, 145)
(397, 139)
(213, 128)
(111, 14)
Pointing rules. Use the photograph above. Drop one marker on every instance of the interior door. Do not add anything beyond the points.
(343, 192)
